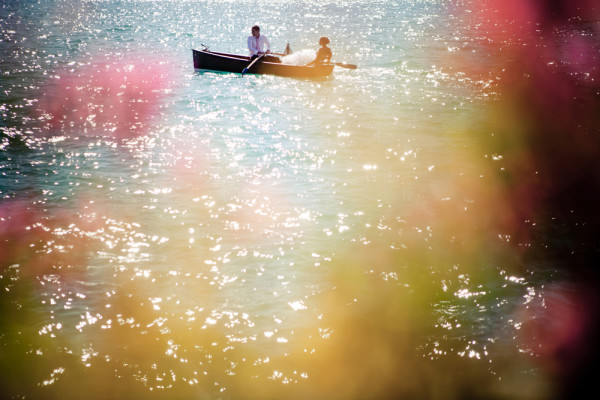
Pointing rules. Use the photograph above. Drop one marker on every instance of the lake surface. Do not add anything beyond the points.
(174, 234)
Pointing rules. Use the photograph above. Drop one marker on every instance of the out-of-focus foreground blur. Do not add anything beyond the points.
(424, 226)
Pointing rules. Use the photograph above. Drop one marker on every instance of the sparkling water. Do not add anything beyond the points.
(174, 234)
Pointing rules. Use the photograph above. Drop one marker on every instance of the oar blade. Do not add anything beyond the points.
(251, 64)
(346, 65)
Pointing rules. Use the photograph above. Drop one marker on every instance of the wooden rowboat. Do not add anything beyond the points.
(212, 61)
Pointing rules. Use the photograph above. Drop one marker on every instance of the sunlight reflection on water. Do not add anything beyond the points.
(173, 234)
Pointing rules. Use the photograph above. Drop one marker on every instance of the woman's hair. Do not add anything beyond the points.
(324, 40)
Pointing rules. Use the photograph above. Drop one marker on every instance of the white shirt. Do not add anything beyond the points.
(254, 48)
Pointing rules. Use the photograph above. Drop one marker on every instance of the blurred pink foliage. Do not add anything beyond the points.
(547, 130)
(18, 229)
(549, 74)
(115, 98)
(559, 328)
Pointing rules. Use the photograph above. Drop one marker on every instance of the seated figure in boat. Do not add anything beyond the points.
(256, 45)
(324, 53)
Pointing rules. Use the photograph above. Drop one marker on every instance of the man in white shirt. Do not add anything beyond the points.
(257, 43)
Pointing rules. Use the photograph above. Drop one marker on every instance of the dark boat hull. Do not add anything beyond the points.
(208, 60)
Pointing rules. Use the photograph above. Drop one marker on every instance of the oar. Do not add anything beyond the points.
(343, 65)
(251, 64)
